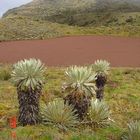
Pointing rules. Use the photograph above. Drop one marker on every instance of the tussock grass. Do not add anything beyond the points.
(5, 72)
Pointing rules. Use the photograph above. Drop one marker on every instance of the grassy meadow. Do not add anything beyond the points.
(15, 27)
(50, 19)
(122, 94)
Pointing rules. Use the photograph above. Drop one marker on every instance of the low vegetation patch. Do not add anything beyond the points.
(121, 107)
(27, 28)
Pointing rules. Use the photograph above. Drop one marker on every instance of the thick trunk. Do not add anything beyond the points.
(80, 104)
(28, 107)
(100, 93)
(100, 83)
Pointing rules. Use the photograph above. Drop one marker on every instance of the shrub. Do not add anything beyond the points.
(133, 132)
(81, 88)
(98, 114)
(101, 67)
(28, 76)
(59, 114)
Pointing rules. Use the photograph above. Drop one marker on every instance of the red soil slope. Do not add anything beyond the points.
(124, 52)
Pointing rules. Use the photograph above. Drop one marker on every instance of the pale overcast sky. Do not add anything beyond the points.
(8, 4)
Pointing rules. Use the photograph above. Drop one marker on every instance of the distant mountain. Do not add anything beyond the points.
(73, 12)
(41, 19)
(47, 8)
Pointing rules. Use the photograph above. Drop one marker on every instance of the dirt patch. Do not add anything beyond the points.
(79, 50)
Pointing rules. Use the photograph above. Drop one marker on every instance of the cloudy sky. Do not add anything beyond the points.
(8, 4)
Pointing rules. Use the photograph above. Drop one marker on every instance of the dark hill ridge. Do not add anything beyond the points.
(118, 5)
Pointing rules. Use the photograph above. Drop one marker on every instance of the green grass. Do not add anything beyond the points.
(5, 72)
(121, 94)
(51, 19)
(25, 28)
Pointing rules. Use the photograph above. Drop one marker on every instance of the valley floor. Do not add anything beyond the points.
(79, 50)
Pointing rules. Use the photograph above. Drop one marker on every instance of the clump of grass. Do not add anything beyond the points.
(5, 72)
